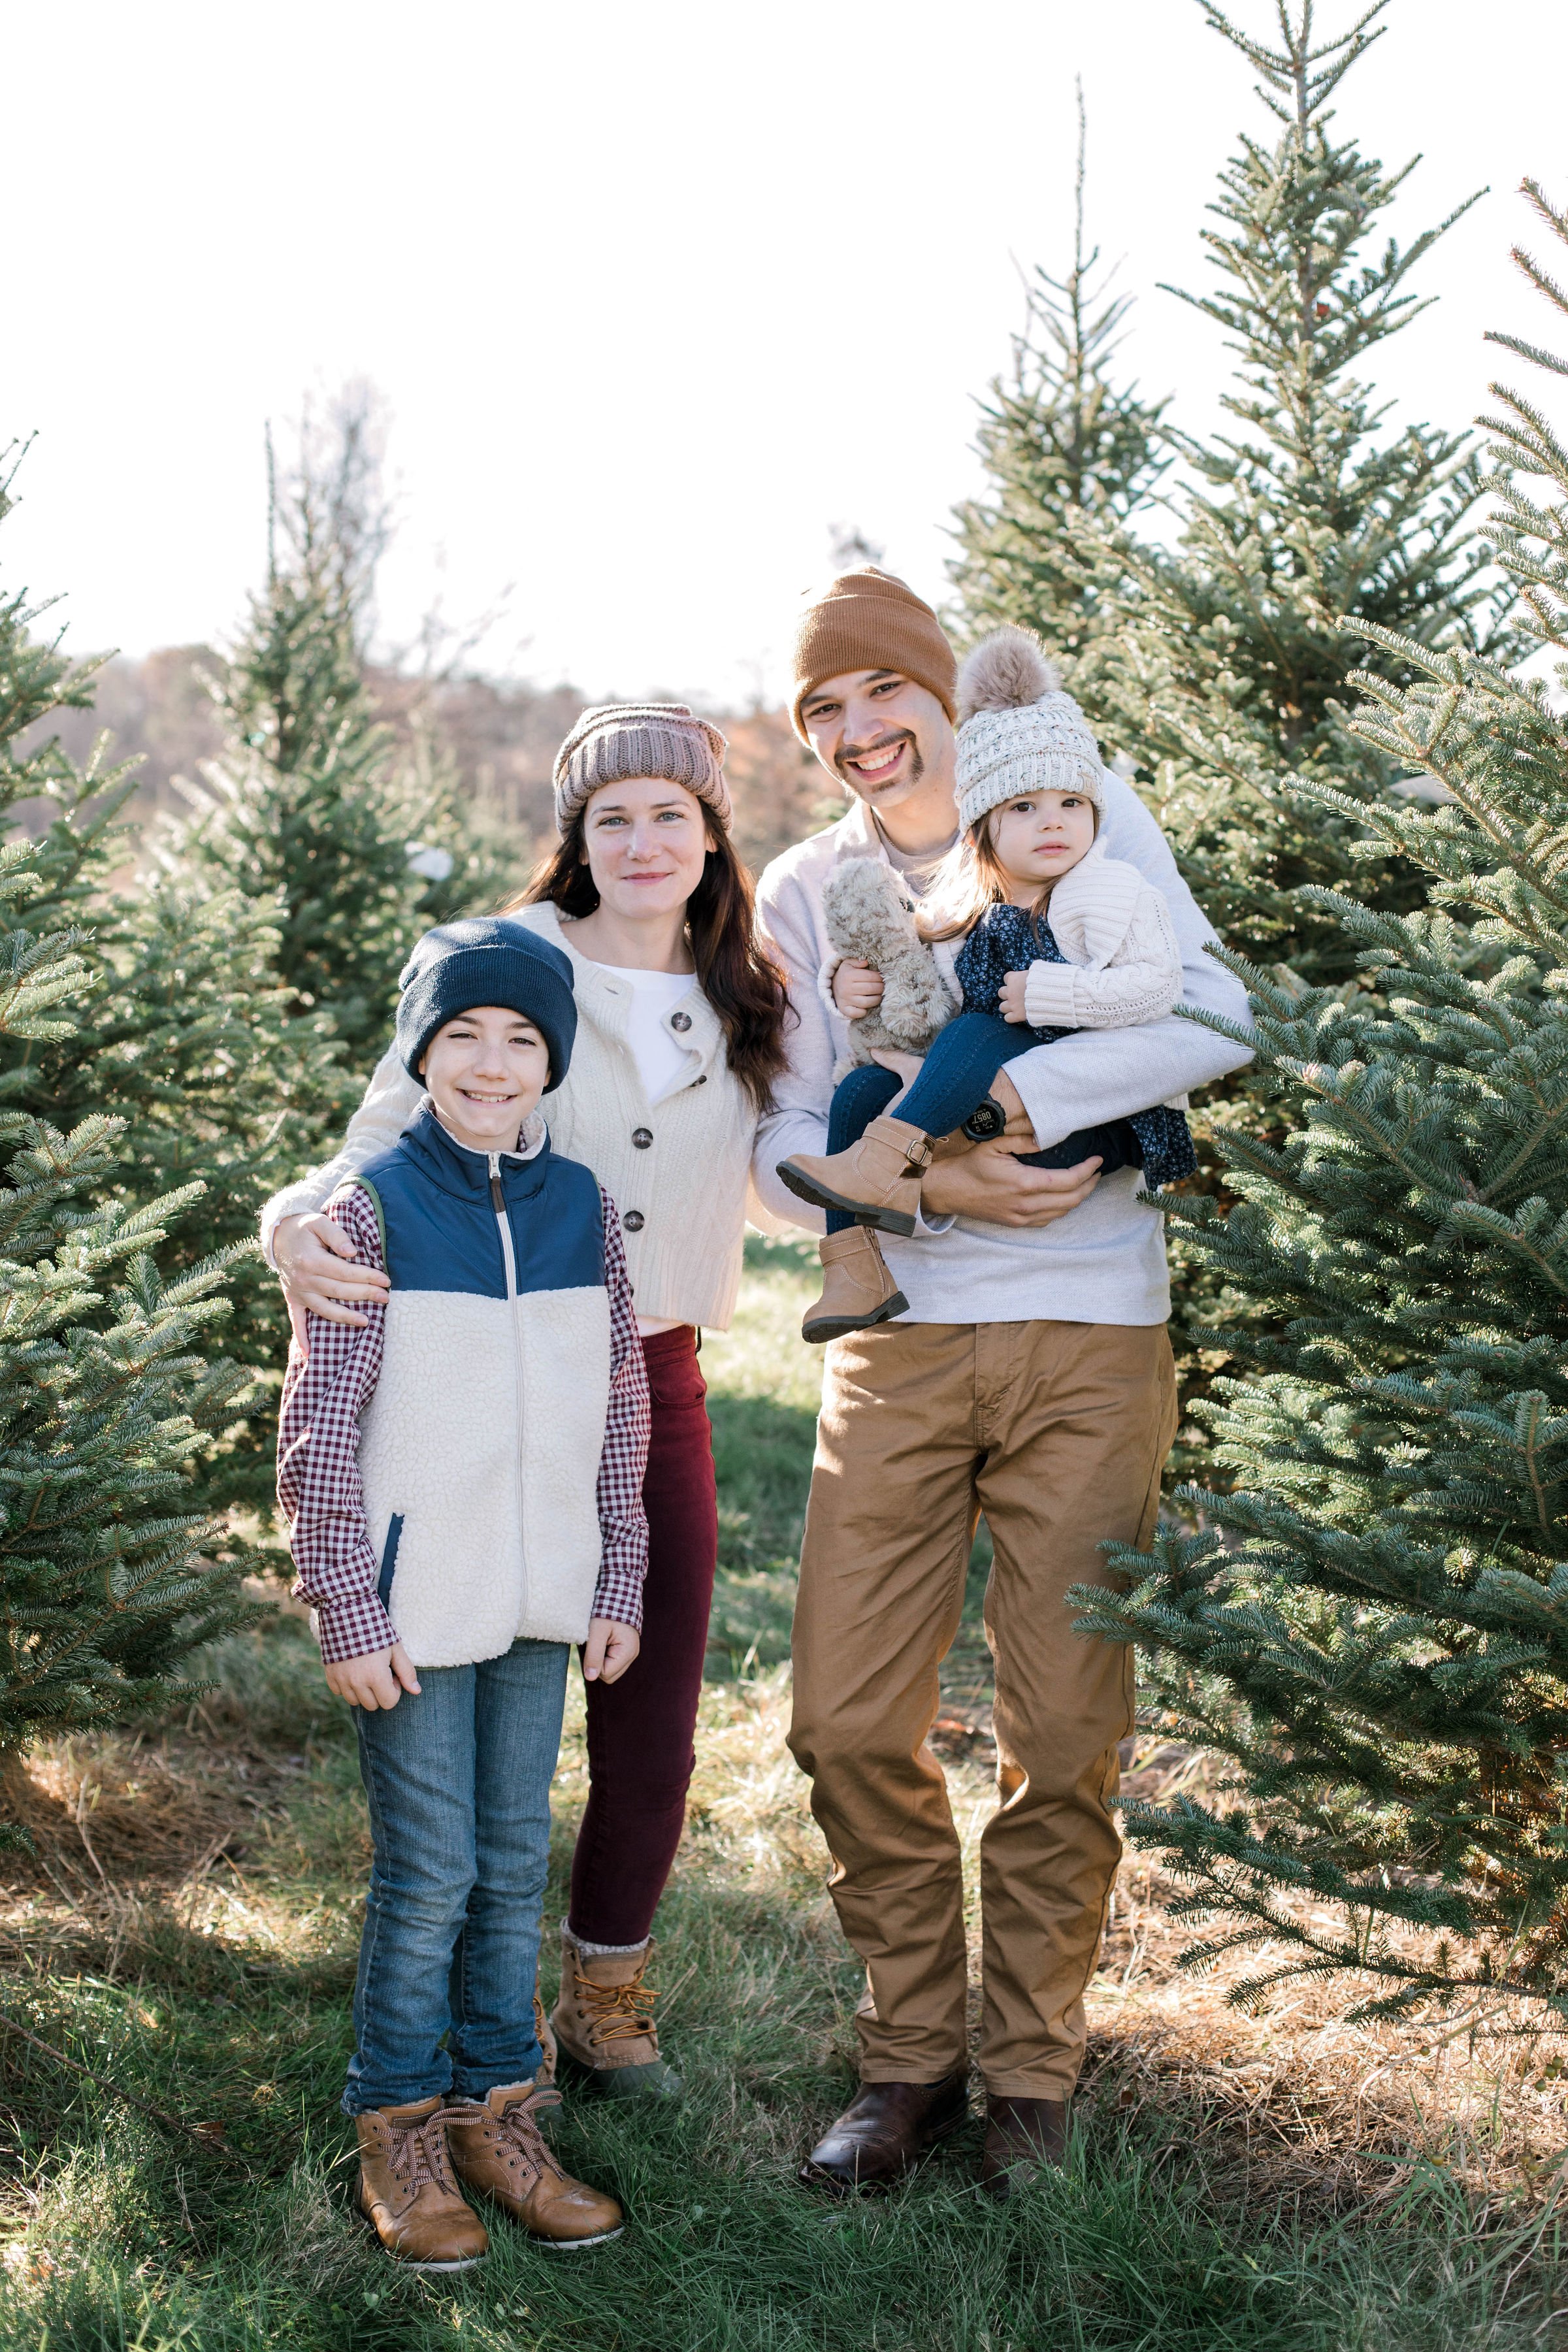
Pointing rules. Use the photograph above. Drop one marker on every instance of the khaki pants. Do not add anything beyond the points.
(1058, 1431)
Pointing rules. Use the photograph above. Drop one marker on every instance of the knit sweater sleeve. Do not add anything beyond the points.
(1141, 979)
(320, 1497)
(389, 1103)
(622, 1523)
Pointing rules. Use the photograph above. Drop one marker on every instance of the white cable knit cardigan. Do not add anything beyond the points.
(1124, 963)
(676, 1170)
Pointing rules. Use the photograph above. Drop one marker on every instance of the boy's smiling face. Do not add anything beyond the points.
(485, 1071)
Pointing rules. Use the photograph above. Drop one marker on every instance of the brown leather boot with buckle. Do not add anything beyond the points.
(877, 1179)
(883, 2133)
(1021, 2135)
(604, 2023)
(498, 2150)
(857, 1291)
(407, 2191)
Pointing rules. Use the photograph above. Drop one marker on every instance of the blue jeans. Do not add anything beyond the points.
(457, 1781)
(952, 1082)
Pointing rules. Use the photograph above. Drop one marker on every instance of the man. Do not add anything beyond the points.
(1031, 1380)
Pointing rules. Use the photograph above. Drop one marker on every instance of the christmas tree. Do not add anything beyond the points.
(1372, 1627)
(1234, 656)
(180, 1028)
(314, 810)
(1064, 446)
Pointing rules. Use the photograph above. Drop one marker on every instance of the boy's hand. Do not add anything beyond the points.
(1012, 996)
(856, 989)
(376, 1681)
(609, 1649)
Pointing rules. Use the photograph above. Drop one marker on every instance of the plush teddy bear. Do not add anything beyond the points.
(869, 915)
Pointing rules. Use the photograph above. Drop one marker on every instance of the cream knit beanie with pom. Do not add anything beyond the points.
(1018, 732)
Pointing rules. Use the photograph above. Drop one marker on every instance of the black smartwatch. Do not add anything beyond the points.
(987, 1120)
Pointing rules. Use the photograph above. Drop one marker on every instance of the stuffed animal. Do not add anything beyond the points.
(869, 915)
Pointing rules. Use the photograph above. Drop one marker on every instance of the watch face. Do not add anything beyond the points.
(986, 1120)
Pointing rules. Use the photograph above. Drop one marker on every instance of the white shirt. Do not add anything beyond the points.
(660, 1056)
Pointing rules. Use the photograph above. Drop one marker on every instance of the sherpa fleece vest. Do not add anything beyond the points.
(479, 1451)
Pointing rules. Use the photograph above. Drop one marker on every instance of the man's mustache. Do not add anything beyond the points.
(848, 751)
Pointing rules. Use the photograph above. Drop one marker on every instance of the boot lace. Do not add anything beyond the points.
(523, 2147)
(620, 2012)
(416, 2153)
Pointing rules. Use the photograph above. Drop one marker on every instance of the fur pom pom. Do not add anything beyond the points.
(1007, 670)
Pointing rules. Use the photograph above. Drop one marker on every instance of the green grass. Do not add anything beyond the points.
(227, 2004)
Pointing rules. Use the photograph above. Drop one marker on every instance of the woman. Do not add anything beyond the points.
(680, 1024)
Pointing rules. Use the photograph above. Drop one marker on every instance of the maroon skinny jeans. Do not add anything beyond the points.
(640, 1753)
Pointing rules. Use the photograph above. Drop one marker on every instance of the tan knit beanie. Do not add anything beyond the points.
(870, 620)
(618, 740)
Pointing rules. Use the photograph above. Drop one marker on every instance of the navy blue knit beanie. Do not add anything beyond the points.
(487, 960)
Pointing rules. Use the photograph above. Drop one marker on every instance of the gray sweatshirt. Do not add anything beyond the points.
(1102, 1263)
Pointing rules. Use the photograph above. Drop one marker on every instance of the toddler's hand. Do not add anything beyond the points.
(609, 1649)
(1012, 997)
(376, 1681)
(856, 989)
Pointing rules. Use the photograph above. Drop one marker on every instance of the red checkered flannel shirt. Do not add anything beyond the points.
(318, 1490)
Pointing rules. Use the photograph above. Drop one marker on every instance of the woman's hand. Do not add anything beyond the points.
(320, 1275)
(609, 1649)
(1011, 1000)
(856, 989)
(376, 1681)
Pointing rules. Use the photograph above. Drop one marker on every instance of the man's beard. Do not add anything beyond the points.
(863, 786)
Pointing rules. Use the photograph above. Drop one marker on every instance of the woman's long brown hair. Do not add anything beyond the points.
(744, 987)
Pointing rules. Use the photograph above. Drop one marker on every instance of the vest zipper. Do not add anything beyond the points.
(497, 1202)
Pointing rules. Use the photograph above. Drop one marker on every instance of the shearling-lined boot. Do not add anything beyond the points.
(604, 2022)
(877, 1179)
(497, 2151)
(407, 2191)
(857, 1291)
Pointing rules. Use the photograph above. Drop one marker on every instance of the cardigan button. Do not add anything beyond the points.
(642, 1137)
(680, 1019)
(634, 1221)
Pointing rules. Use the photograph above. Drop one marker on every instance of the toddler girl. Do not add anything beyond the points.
(1055, 936)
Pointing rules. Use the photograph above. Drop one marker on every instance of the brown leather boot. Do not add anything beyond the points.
(877, 1179)
(857, 1291)
(604, 2023)
(497, 2150)
(407, 2191)
(545, 2077)
(884, 2131)
(1020, 2136)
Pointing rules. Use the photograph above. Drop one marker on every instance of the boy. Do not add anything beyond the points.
(462, 1477)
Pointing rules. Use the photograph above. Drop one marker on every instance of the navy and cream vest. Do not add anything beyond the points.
(479, 1451)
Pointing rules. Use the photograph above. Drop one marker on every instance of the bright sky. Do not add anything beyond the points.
(655, 295)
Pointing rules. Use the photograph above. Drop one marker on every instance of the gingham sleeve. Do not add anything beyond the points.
(623, 1523)
(320, 1496)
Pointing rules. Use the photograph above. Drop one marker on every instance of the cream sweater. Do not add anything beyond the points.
(676, 1170)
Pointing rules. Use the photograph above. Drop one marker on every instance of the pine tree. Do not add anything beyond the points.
(1236, 656)
(313, 809)
(180, 1031)
(1063, 444)
(1373, 1629)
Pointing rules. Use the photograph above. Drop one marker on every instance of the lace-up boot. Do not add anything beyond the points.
(604, 2023)
(498, 2150)
(408, 2193)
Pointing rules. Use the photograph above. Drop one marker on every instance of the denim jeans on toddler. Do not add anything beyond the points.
(457, 1781)
(952, 1082)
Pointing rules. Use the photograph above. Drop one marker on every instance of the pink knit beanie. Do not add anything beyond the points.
(618, 740)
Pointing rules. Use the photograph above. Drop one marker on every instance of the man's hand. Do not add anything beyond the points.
(1011, 1000)
(318, 1269)
(988, 1182)
(609, 1649)
(856, 989)
(376, 1681)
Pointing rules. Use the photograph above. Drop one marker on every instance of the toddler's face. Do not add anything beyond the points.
(485, 1071)
(1040, 837)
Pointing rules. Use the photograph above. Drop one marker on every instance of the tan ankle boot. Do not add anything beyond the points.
(877, 1179)
(407, 2191)
(498, 2150)
(604, 2023)
(857, 1291)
